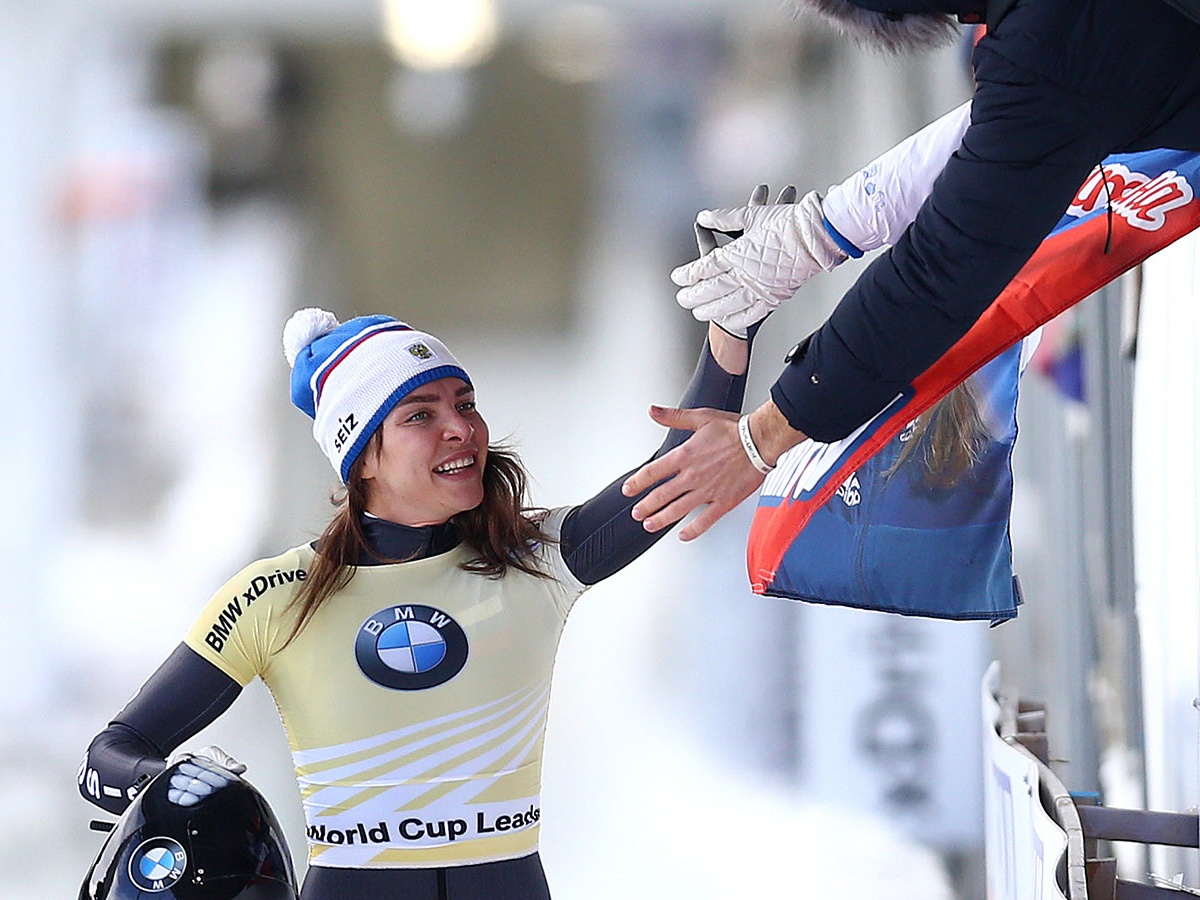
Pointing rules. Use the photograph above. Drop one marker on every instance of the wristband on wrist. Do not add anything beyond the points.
(748, 445)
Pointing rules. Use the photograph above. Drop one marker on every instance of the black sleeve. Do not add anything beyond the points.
(1057, 91)
(1027, 150)
(185, 695)
(600, 537)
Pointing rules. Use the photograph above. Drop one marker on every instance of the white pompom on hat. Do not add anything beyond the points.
(304, 327)
(347, 376)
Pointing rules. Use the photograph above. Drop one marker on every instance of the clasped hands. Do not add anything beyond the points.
(733, 287)
(710, 469)
(775, 249)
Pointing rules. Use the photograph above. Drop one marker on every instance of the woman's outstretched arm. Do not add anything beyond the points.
(600, 536)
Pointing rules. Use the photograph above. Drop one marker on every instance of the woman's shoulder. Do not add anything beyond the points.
(287, 567)
(549, 521)
(548, 551)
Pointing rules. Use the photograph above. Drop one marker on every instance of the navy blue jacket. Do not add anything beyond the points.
(1060, 84)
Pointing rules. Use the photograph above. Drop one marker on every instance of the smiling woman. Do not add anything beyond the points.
(426, 461)
(409, 648)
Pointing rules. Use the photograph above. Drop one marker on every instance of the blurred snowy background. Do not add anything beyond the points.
(519, 177)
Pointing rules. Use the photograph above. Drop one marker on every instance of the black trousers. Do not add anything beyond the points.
(510, 879)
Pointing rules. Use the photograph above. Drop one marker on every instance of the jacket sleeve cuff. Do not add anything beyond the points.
(788, 388)
(824, 409)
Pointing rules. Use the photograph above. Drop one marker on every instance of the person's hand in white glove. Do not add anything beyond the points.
(706, 238)
(737, 323)
(776, 249)
(200, 773)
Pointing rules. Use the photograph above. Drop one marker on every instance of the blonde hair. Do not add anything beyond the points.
(949, 437)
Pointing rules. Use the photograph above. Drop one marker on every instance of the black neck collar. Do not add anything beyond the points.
(393, 542)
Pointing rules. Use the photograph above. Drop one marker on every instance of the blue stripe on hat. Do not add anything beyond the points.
(313, 358)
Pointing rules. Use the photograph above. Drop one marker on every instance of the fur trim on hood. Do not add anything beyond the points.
(889, 32)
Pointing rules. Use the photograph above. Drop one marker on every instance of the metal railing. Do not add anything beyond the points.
(1086, 869)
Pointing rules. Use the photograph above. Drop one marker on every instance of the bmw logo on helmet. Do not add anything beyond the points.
(410, 648)
(223, 844)
(157, 864)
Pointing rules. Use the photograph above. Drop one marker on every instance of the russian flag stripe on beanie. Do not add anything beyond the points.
(322, 372)
(348, 376)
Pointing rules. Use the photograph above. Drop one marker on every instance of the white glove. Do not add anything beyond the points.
(706, 240)
(201, 773)
(780, 247)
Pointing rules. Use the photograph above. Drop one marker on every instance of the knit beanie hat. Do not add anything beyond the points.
(348, 376)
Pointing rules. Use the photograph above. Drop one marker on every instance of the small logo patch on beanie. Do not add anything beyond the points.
(420, 351)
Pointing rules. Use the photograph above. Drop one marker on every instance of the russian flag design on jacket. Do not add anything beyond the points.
(949, 556)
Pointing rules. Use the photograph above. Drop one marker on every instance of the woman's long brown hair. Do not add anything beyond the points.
(950, 437)
(500, 531)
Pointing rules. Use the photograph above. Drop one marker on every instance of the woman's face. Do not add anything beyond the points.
(431, 452)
